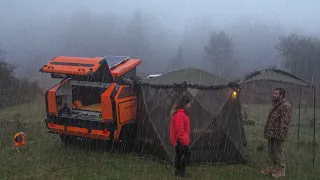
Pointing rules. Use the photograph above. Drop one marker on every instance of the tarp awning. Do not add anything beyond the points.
(274, 75)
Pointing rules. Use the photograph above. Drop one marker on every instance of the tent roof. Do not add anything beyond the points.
(192, 76)
(274, 75)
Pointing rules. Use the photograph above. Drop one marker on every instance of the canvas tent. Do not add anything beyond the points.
(217, 134)
(261, 83)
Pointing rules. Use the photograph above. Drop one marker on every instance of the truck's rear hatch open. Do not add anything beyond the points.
(98, 69)
(88, 100)
(86, 80)
(72, 65)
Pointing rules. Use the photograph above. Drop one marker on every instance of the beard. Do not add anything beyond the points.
(275, 100)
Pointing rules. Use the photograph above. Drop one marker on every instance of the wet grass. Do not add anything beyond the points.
(45, 157)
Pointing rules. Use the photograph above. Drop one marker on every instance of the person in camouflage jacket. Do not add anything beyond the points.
(275, 131)
(278, 121)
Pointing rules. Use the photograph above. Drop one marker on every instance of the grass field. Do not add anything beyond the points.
(45, 157)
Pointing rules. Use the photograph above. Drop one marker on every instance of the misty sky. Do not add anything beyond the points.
(173, 12)
(26, 25)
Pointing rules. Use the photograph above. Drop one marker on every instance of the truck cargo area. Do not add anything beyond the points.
(80, 99)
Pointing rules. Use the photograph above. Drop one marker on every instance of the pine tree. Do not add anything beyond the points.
(219, 48)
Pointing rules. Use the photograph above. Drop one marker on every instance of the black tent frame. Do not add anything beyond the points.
(299, 105)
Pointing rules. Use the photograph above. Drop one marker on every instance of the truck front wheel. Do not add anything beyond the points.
(127, 136)
(67, 139)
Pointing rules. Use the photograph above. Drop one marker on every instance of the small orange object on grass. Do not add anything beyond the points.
(19, 140)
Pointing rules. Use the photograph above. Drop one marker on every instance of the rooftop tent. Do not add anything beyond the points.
(262, 82)
(217, 134)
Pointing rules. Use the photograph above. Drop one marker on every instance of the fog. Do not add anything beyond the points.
(33, 32)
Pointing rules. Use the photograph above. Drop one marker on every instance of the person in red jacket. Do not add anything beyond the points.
(180, 134)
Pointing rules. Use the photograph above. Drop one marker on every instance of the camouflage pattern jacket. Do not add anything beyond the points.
(278, 121)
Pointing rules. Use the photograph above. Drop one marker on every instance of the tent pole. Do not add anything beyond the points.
(314, 124)
(299, 116)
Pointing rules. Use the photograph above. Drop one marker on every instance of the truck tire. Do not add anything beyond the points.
(128, 136)
(67, 139)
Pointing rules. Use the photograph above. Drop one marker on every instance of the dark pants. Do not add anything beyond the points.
(183, 154)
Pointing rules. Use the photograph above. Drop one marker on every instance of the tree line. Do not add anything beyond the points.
(214, 50)
(249, 46)
(14, 90)
(228, 53)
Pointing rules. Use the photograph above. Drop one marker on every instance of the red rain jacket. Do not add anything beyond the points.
(180, 128)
